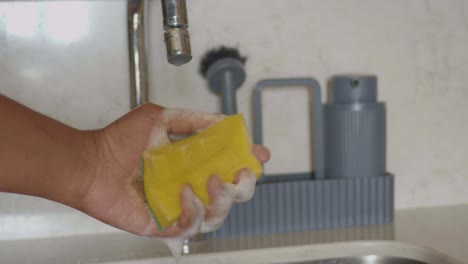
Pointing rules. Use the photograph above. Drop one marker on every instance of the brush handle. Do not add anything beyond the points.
(228, 94)
(224, 77)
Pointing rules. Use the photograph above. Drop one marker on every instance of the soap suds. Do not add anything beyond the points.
(175, 246)
(245, 189)
(185, 114)
(189, 121)
(158, 137)
(219, 210)
(182, 121)
(232, 193)
(175, 243)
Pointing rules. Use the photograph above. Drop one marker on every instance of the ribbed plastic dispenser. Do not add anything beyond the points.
(350, 185)
(355, 129)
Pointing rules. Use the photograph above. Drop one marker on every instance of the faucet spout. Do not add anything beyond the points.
(176, 36)
(176, 33)
(136, 45)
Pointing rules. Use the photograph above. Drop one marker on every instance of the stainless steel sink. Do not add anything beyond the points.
(370, 252)
(369, 259)
(362, 252)
(112, 249)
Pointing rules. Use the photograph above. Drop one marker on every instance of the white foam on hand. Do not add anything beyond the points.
(175, 243)
(210, 218)
(245, 189)
(232, 194)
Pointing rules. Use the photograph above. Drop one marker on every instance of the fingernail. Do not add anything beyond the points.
(184, 222)
(262, 153)
(265, 154)
(241, 173)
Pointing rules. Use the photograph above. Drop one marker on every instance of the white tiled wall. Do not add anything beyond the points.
(69, 60)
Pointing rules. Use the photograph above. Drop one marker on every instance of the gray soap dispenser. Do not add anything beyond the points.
(355, 140)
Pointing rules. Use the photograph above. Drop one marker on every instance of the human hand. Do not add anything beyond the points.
(115, 193)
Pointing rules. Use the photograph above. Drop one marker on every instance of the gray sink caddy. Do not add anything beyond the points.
(350, 185)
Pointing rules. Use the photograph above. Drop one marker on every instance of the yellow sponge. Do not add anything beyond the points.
(221, 150)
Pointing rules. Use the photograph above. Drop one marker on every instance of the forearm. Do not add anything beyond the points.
(40, 156)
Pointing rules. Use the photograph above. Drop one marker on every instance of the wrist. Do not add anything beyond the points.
(86, 168)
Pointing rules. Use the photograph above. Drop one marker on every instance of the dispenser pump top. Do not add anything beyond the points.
(361, 89)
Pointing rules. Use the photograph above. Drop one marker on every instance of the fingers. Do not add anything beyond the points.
(262, 153)
(197, 218)
(244, 187)
(167, 121)
(222, 199)
(224, 195)
(193, 213)
(179, 121)
(192, 208)
(189, 223)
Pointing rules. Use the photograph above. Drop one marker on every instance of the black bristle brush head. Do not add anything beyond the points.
(216, 54)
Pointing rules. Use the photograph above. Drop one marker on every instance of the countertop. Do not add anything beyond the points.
(444, 229)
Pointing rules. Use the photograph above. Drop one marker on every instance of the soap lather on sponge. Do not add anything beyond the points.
(222, 150)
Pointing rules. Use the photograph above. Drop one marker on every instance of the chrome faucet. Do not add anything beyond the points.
(176, 36)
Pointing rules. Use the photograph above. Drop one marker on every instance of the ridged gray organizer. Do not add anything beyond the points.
(350, 185)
